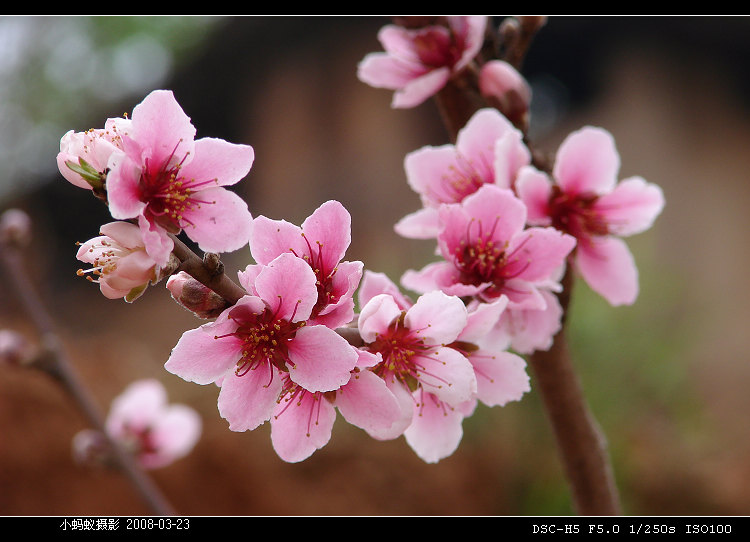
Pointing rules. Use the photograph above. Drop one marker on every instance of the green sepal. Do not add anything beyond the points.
(87, 172)
(135, 293)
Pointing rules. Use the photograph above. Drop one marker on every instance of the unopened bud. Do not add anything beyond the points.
(14, 349)
(15, 227)
(503, 85)
(195, 296)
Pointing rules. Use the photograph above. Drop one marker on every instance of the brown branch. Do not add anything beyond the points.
(580, 441)
(55, 362)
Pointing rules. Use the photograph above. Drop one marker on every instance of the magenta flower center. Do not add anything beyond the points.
(436, 48)
(169, 196)
(404, 353)
(575, 214)
(264, 338)
(484, 259)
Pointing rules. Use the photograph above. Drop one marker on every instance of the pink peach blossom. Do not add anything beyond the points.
(119, 261)
(321, 241)
(412, 343)
(488, 253)
(156, 432)
(265, 334)
(417, 63)
(586, 201)
(488, 150)
(171, 182)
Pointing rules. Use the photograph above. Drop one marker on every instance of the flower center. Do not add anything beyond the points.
(403, 352)
(437, 48)
(169, 196)
(264, 337)
(483, 259)
(575, 214)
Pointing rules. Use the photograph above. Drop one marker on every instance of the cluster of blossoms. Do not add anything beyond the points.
(155, 175)
(282, 353)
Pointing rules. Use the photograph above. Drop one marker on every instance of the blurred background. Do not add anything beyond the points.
(666, 378)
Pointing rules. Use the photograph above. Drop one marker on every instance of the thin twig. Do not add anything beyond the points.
(57, 364)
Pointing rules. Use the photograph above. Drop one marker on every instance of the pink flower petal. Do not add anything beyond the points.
(530, 330)
(344, 284)
(202, 358)
(398, 42)
(378, 283)
(380, 70)
(330, 226)
(537, 253)
(437, 317)
(510, 156)
(440, 276)
(321, 359)
(631, 207)
(523, 295)
(435, 431)
(157, 242)
(273, 237)
(301, 426)
(420, 89)
(162, 128)
(140, 404)
(222, 224)
(448, 375)
(287, 285)
(125, 233)
(174, 434)
(471, 29)
(607, 265)
(476, 140)
(482, 319)
(587, 162)
(219, 161)
(535, 189)
(491, 212)
(123, 187)
(421, 224)
(249, 400)
(366, 401)
(501, 377)
(376, 316)
(405, 402)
